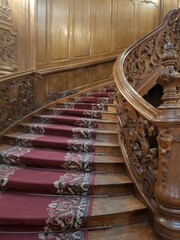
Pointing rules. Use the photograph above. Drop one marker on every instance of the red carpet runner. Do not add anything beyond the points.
(46, 171)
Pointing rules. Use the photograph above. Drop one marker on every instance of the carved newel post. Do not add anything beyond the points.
(167, 189)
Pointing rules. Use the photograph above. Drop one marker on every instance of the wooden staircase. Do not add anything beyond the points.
(116, 212)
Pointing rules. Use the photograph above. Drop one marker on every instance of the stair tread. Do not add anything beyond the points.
(141, 231)
(47, 153)
(27, 202)
(73, 117)
(52, 138)
(117, 204)
(66, 127)
(48, 181)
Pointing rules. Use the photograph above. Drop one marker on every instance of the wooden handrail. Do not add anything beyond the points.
(150, 136)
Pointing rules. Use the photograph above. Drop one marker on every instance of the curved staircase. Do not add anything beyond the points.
(63, 176)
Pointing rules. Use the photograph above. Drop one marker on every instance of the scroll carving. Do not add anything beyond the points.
(5, 10)
(137, 135)
(16, 100)
(7, 47)
(165, 141)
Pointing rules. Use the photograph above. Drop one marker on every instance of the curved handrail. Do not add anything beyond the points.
(128, 87)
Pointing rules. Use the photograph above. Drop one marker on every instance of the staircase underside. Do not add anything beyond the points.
(63, 176)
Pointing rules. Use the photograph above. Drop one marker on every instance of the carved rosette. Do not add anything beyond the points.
(165, 141)
(16, 100)
(139, 138)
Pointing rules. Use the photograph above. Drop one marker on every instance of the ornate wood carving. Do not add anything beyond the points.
(165, 141)
(16, 100)
(8, 44)
(147, 55)
(5, 12)
(137, 135)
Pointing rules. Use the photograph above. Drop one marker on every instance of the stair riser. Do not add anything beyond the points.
(112, 150)
(118, 219)
(113, 190)
(110, 167)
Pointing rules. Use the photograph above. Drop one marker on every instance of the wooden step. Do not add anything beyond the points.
(41, 181)
(104, 115)
(116, 211)
(102, 162)
(54, 142)
(90, 106)
(102, 124)
(141, 231)
(112, 184)
(60, 130)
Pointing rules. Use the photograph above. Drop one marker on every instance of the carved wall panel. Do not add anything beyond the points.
(16, 100)
(8, 50)
(5, 11)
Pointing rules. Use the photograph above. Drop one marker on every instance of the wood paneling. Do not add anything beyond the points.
(82, 28)
(42, 31)
(168, 5)
(59, 29)
(55, 33)
(148, 17)
(102, 26)
(124, 20)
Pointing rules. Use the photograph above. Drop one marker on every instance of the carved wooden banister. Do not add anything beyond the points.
(150, 136)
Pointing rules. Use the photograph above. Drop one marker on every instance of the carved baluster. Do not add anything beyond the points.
(167, 189)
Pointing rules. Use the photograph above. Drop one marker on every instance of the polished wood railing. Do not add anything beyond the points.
(150, 135)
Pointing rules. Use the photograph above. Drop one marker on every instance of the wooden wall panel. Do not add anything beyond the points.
(148, 16)
(42, 18)
(56, 33)
(82, 28)
(57, 83)
(102, 26)
(168, 5)
(124, 23)
(59, 29)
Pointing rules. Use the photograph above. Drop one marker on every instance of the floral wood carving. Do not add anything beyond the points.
(5, 10)
(147, 56)
(138, 136)
(165, 141)
(7, 47)
(16, 100)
